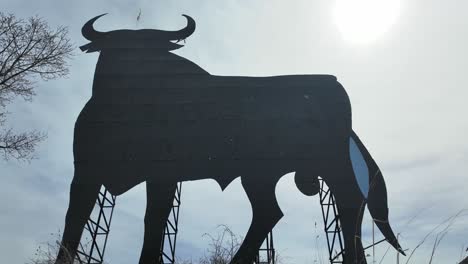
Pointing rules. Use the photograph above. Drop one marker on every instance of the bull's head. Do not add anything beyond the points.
(131, 39)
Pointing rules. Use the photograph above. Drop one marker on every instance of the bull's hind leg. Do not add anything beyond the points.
(159, 199)
(265, 214)
(351, 204)
(351, 228)
(83, 194)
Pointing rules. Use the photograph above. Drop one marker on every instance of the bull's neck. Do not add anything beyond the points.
(138, 68)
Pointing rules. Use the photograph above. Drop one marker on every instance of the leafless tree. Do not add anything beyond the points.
(222, 248)
(29, 50)
(46, 253)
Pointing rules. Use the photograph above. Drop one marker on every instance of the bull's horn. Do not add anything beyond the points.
(185, 32)
(88, 30)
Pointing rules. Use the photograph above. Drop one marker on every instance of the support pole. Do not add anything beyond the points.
(331, 223)
(266, 254)
(373, 241)
(168, 245)
(96, 231)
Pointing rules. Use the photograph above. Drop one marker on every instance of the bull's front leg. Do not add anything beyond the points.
(265, 214)
(159, 201)
(83, 195)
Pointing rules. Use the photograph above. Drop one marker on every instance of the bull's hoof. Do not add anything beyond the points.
(309, 185)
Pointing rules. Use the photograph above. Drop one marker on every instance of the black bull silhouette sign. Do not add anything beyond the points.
(159, 118)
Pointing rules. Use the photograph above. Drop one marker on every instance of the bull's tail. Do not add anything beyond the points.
(377, 192)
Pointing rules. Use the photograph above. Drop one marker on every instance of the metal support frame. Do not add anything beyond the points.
(94, 239)
(266, 254)
(168, 245)
(331, 223)
(96, 231)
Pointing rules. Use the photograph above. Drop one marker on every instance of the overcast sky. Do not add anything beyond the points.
(407, 87)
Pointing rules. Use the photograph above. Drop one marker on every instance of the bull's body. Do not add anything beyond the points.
(157, 117)
(193, 125)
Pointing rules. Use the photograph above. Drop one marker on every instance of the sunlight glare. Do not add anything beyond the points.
(364, 21)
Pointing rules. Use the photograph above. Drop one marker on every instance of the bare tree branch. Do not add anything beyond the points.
(29, 50)
(19, 146)
(46, 253)
(449, 220)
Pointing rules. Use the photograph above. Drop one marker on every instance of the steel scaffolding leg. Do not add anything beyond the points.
(168, 245)
(331, 223)
(94, 239)
(266, 254)
(96, 231)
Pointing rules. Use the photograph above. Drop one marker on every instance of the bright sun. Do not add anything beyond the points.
(364, 21)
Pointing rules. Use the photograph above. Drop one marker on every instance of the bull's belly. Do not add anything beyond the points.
(119, 177)
(124, 154)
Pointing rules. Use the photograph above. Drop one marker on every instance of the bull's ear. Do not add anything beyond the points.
(173, 46)
(90, 47)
